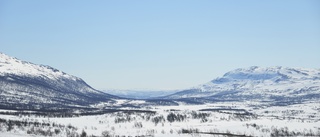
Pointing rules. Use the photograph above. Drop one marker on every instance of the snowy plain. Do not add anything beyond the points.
(237, 118)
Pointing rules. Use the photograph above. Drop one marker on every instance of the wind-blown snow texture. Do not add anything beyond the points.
(264, 84)
(29, 86)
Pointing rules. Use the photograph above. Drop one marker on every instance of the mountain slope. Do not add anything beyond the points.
(24, 85)
(272, 83)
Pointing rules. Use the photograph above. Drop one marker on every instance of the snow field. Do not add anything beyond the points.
(262, 121)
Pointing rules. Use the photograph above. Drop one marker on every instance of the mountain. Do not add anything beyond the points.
(140, 94)
(24, 85)
(259, 83)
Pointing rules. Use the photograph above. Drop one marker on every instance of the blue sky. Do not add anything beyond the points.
(160, 44)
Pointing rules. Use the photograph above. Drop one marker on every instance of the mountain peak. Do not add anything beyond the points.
(269, 73)
(12, 65)
(7, 59)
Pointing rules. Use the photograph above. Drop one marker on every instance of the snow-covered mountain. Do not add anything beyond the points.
(270, 83)
(29, 86)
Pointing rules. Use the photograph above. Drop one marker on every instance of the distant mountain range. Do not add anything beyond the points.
(24, 85)
(140, 94)
(28, 86)
(259, 83)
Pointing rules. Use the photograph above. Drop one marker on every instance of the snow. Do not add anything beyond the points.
(265, 81)
(27, 83)
(248, 117)
(6, 134)
(265, 118)
(11, 65)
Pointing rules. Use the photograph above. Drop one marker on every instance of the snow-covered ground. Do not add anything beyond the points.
(240, 118)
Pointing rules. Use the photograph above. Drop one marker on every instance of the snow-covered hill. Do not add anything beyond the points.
(29, 86)
(265, 84)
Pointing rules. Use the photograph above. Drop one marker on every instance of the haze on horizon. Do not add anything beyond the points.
(160, 44)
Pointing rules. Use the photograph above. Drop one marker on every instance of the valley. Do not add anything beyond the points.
(38, 100)
(211, 119)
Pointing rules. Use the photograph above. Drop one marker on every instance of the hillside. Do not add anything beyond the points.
(259, 83)
(25, 85)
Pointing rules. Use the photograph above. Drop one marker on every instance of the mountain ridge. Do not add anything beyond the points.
(265, 83)
(24, 85)
(28, 85)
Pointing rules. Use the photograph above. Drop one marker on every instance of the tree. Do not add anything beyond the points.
(106, 134)
(83, 134)
(10, 126)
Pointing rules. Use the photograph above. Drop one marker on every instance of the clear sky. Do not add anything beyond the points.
(164, 44)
